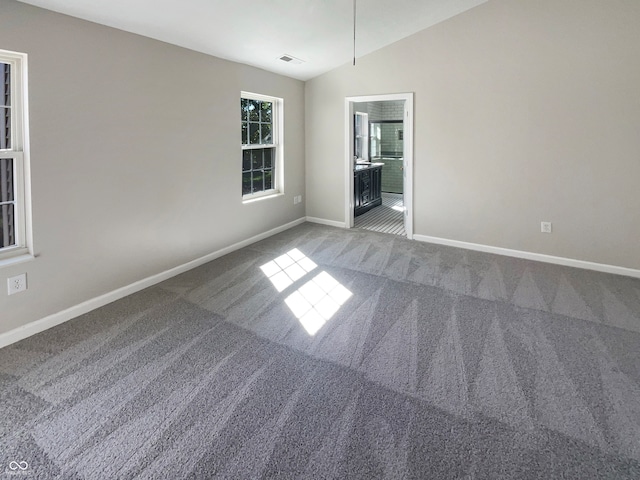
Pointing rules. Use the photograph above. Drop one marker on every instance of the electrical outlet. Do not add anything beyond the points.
(545, 227)
(17, 284)
(297, 199)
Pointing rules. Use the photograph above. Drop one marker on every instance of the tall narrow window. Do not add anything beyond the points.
(261, 118)
(361, 136)
(13, 215)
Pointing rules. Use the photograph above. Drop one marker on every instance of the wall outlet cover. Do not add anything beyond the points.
(545, 227)
(17, 284)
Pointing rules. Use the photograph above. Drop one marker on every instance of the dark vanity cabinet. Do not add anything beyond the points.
(367, 188)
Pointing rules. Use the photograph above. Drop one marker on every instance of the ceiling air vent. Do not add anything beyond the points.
(290, 59)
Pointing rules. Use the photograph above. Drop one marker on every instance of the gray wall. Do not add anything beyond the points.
(525, 111)
(135, 157)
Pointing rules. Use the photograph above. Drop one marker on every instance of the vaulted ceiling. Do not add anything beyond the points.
(259, 32)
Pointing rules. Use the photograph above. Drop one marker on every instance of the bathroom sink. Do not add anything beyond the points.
(365, 165)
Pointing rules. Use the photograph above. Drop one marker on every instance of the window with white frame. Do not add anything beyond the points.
(261, 119)
(13, 187)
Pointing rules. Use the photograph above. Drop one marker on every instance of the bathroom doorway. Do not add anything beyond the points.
(379, 177)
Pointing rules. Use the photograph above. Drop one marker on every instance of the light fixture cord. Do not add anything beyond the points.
(354, 33)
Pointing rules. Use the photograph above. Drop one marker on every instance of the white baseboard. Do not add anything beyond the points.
(322, 221)
(45, 323)
(568, 262)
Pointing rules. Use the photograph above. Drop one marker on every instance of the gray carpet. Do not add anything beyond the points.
(425, 362)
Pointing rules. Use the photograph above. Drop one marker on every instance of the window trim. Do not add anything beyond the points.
(19, 152)
(277, 144)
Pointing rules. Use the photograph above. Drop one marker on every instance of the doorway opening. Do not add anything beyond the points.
(379, 163)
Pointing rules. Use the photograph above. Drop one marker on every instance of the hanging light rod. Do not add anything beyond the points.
(354, 33)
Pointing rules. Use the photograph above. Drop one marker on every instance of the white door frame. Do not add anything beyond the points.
(407, 153)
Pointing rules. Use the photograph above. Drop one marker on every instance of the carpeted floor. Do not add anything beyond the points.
(329, 353)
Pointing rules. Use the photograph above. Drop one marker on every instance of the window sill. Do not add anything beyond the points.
(20, 256)
(261, 197)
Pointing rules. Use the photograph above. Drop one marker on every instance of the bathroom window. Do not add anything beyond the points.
(13, 172)
(361, 136)
(261, 120)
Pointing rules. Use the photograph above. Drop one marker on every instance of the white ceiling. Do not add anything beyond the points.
(258, 32)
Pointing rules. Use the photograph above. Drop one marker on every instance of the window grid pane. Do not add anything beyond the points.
(5, 84)
(245, 133)
(7, 226)
(244, 107)
(256, 159)
(258, 181)
(266, 109)
(6, 180)
(246, 160)
(268, 179)
(246, 183)
(5, 104)
(254, 133)
(268, 160)
(253, 108)
(5, 128)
